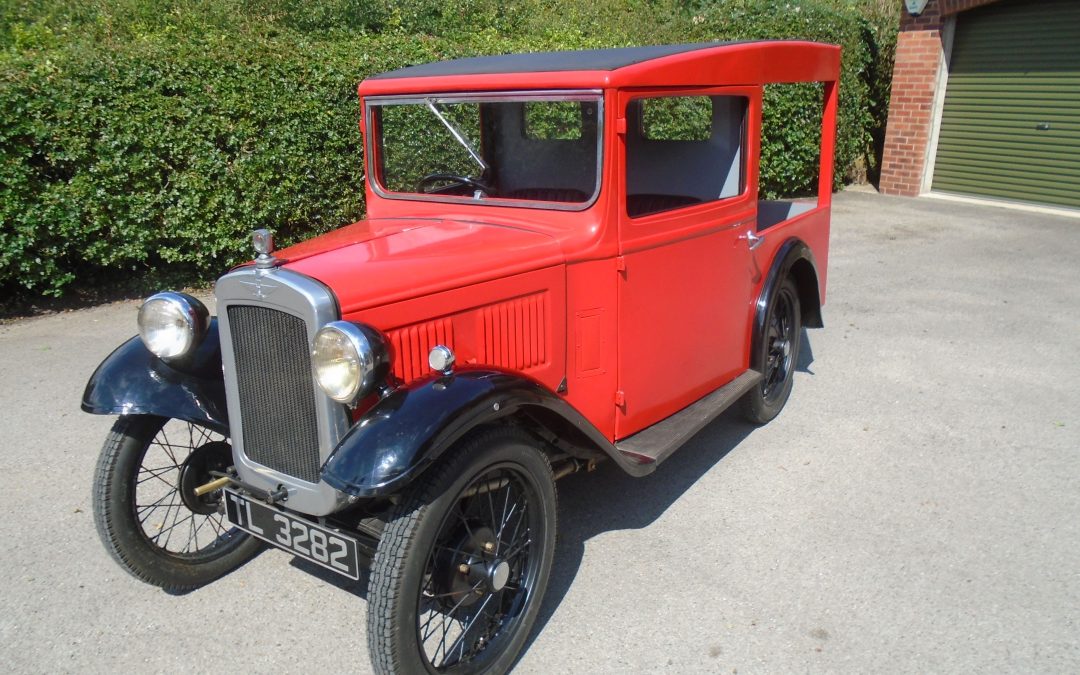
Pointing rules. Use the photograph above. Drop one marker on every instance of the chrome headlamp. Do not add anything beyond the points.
(350, 360)
(172, 324)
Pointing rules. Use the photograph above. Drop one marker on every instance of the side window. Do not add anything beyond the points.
(684, 150)
(677, 118)
(790, 158)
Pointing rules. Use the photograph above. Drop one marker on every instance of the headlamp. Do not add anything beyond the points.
(350, 360)
(172, 324)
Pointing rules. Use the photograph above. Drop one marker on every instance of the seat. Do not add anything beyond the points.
(644, 204)
(538, 194)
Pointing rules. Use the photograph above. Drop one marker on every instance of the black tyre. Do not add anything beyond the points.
(778, 352)
(145, 509)
(461, 568)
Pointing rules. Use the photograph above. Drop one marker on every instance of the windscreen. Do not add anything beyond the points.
(532, 150)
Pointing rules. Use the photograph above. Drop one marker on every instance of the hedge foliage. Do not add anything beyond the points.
(139, 135)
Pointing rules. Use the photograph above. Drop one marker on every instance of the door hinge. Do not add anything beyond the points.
(620, 399)
(620, 264)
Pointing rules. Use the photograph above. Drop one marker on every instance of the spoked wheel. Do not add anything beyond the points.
(146, 510)
(779, 355)
(459, 574)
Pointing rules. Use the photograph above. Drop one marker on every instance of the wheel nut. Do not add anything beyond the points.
(463, 568)
(489, 546)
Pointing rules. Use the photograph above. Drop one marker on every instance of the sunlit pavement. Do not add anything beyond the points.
(916, 507)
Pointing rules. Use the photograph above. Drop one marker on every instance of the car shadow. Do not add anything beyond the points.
(602, 501)
(357, 587)
(806, 355)
(590, 505)
(608, 499)
(179, 593)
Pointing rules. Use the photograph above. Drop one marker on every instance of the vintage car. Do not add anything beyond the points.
(566, 260)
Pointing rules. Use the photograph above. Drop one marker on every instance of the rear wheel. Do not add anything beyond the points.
(461, 568)
(778, 352)
(146, 510)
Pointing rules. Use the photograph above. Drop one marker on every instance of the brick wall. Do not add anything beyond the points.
(919, 52)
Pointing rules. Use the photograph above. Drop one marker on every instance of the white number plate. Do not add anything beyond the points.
(333, 550)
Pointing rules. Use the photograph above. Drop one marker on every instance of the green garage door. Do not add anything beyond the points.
(1010, 127)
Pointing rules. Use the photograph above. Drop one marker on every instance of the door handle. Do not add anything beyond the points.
(752, 240)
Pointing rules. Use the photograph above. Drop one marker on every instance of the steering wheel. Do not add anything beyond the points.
(431, 178)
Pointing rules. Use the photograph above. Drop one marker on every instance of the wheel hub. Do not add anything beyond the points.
(195, 471)
(473, 572)
(785, 347)
(498, 575)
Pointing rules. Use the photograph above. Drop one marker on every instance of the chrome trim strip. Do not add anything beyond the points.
(487, 97)
(310, 301)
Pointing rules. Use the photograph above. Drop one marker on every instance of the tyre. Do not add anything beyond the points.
(778, 352)
(146, 511)
(461, 568)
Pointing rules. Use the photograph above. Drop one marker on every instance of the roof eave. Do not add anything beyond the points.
(731, 64)
(577, 79)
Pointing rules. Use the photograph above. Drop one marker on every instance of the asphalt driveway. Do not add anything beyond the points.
(915, 508)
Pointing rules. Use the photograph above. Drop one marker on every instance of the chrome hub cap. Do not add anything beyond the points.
(498, 575)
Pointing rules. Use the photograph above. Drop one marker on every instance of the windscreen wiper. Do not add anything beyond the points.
(456, 133)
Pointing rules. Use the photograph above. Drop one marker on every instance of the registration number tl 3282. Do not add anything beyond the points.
(323, 546)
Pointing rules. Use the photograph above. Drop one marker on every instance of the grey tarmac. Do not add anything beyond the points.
(915, 508)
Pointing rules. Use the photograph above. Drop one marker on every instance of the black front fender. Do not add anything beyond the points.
(405, 432)
(132, 381)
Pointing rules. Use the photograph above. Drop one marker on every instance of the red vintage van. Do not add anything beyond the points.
(566, 260)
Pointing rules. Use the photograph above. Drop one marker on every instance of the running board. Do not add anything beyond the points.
(654, 444)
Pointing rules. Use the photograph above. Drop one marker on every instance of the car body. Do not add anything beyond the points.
(571, 245)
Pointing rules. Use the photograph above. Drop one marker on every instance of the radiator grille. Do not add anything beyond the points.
(277, 396)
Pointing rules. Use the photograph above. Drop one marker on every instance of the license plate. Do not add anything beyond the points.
(322, 546)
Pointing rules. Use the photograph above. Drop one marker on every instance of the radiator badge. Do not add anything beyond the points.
(260, 288)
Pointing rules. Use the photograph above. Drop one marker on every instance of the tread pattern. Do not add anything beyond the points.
(119, 531)
(396, 548)
(103, 511)
(754, 408)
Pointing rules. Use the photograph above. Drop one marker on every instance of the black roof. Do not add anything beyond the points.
(538, 62)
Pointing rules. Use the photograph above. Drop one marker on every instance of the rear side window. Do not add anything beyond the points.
(790, 162)
(677, 118)
(684, 150)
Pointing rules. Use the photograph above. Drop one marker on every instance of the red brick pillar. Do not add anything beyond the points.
(920, 53)
(915, 75)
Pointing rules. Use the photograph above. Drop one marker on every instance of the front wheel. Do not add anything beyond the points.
(778, 352)
(146, 510)
(461, 568)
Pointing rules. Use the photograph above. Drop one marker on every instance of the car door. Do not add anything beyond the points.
(685, 263)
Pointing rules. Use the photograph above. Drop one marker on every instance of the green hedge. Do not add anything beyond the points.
(137, 136)
(159, 154)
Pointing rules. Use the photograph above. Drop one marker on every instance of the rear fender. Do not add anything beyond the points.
(133, 381)
(793, 259)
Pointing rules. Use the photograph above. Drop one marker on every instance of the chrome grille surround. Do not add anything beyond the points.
(285, 456)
